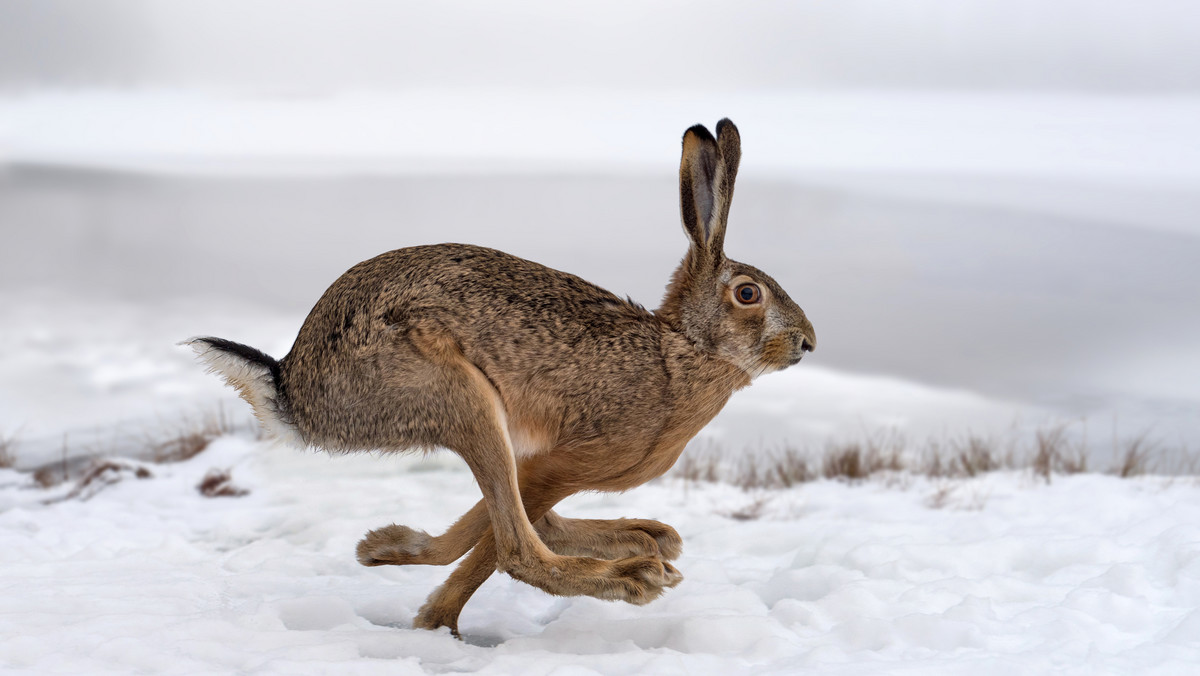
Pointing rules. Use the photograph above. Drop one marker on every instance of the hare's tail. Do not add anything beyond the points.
(256, 377)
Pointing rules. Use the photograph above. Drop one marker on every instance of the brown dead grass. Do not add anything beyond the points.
(101, 475)
(1054, 454)
(192, 435)
(858, 460)
(218, 483)
(8, 450)
(1051, 452)
(752, 511)
(1136, 458)
(170, 441)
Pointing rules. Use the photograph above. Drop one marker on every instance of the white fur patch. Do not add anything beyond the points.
(254, 383)
(524, 444)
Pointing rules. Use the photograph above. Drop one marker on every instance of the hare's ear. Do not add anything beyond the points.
(706, 175)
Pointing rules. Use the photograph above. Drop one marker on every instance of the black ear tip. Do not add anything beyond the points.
(726, 125)
(700, 132)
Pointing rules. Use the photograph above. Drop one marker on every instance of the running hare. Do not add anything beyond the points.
(546, 385)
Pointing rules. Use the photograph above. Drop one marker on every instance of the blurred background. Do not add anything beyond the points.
(990, 209)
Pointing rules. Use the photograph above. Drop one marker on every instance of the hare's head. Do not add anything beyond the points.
(731, 309)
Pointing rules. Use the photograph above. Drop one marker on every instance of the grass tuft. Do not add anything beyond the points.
(192, 436)
(1051, 451)
(1135, 459)
(8, 450)
(101, 475)
(218, 483)
(168, 442)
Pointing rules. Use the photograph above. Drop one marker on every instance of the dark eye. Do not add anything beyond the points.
(748, 294)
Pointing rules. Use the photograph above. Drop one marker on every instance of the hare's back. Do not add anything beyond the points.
(474, 289)
(547, 339)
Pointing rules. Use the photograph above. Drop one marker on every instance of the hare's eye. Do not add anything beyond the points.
(748, 294)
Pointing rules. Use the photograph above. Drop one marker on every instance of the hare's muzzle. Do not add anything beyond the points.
(801, 344)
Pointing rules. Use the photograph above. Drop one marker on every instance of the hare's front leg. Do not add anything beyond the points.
(609, 538)
(396, 545)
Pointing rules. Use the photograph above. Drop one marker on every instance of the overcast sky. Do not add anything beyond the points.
(307, 46)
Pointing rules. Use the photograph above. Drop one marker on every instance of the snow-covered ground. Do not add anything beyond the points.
(997, 575)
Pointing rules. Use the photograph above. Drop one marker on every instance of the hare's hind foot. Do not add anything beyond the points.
(399, 546)
(636, 579)
(609, 538)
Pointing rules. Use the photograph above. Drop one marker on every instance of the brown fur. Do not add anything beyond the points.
(545, 384)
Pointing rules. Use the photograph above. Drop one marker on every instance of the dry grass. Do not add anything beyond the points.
(191, 436)
(1136, 457)
(170, 441)
(791, 466)
(218, 483)
(95, 469)
(1055, 454)
(1051, 452)
(750, 512)
(101, 475)
(855, 461)
(54, 473)
(8, 450)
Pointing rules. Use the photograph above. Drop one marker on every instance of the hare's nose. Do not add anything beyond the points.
(807, 344)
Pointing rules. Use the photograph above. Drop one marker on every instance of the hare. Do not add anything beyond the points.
(545, 384)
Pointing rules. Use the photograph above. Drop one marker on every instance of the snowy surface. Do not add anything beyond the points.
(998, 575)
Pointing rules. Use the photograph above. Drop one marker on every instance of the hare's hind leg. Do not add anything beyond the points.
(608, 538)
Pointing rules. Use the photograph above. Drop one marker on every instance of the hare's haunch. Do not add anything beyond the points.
(545, 384)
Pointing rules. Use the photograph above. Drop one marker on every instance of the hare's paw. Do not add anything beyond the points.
(638, 537)
(437, 613)
(610, 539)
(637, 579)
(393, 546)
(640, 579)
(670, 545)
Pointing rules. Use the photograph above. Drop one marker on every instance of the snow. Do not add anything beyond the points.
(998, 574)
